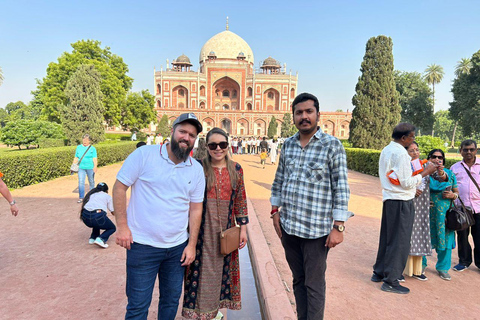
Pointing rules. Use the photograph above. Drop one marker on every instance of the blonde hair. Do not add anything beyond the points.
(207, 164)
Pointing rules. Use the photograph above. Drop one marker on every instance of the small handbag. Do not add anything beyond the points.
(460, 217)
(76, 166)
(229, 238)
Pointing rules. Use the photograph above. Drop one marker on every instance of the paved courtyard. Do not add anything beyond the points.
(48, 270)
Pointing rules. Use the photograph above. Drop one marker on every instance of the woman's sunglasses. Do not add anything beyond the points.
(436, 157)
(213, 145)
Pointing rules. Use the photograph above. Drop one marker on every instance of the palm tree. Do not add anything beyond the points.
(1, 76)
(463, 66)
(433, 74)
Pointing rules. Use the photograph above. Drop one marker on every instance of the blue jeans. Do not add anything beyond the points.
(98, 221)
(144, 263)
(81, 181)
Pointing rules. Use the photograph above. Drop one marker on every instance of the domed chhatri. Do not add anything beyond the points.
(227, 45)
(183, 59)
(270, 62)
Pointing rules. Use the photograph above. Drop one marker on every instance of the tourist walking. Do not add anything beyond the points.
(273, 151)
(160, 227)
(398, 209)
(467, 172)
(213, 281)
(94, 214)
(86, 158)
(5, 192)
(420, 241)
(263, 157)
(443, 190)
(310, 204)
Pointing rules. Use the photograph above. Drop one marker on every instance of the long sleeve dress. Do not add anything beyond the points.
(212, 281)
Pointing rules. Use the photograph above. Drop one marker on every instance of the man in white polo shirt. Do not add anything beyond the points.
(167, 198)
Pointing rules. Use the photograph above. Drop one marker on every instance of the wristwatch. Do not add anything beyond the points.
(339, 227)
(13, 202)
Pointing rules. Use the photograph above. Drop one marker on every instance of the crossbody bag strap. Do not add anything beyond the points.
(84, 155)
(470, 175)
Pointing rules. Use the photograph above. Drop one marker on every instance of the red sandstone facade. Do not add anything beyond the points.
(227, 92)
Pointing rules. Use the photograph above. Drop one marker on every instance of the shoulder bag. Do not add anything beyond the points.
(229, 238)
(473, 180)
(76, 166)
(460, 217)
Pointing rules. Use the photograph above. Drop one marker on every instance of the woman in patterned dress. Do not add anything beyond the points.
(420, 243)
(212, 281)
(443, 189)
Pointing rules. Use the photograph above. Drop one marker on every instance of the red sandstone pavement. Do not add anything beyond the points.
(48, 271)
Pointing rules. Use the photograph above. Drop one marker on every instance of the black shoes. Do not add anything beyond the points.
(376, 278)
(395, 289)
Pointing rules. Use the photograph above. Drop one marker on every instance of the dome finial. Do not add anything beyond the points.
(227, 23)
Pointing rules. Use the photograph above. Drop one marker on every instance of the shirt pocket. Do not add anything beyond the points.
(290, 166)
(314, 172)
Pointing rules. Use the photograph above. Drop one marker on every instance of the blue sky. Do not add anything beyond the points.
(323, 40)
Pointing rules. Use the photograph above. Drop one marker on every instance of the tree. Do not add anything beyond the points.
(138, 111)
(84, 110)
(433, 75)
(27, 132)
(465, 107)
(286, 127)
(1, 76)
(272, 128)
(114, 82)
(19, 110)
(415, 100)
(445, 127)
(427, 143)
(377, 109)
(463, 66)
(163, 127)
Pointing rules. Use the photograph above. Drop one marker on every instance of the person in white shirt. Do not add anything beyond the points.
(158, 139)
(398, 209)
(161, 225)
(94, 214)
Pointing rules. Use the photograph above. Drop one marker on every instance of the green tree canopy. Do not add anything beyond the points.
(84, 110)
(445, 127)
(19, 110)
(114, 82)
(287, 126)
(465, 107)
(433, 75)
(272, 128)
(377, 109)
(27, 132)
(415, 100)
(428, 143)
(139, 111)
(463, 66)
(163, 127)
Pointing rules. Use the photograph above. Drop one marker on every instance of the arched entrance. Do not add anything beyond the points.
(226, 125)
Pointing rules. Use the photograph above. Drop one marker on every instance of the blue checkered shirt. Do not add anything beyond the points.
(311, 186)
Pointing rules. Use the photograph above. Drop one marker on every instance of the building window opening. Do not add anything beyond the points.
(270, 95)
(226, 107)
(226, 93)
(181, 93)
(234, 94)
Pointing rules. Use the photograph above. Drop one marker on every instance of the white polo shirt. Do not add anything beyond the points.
(158, 210)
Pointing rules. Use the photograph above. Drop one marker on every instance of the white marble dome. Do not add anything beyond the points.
(227, 45)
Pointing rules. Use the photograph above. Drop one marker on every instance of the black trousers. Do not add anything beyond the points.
(307, 259)
(394, 244)
(464, 248)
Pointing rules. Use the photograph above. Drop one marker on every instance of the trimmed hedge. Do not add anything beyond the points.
(21, 169)
(118, 136)
(51, 143)
(366, 160)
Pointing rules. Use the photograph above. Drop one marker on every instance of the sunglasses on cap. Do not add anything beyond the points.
(213, 145)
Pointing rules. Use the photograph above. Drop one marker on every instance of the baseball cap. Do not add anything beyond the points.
(191, 118)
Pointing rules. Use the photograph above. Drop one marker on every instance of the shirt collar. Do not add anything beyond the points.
(477, 161)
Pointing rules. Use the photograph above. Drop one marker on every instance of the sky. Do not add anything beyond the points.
(324, 41)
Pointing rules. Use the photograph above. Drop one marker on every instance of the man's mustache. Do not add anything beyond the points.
(306, 121)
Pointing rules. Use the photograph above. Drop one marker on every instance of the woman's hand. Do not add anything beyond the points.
(243, 237)
(448, 194)
(418, 193)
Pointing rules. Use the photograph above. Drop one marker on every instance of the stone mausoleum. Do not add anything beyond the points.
(227, 91)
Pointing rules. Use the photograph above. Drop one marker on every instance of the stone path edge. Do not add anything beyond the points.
(274, 302)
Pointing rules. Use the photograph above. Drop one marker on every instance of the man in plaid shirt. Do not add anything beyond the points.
(312, 190)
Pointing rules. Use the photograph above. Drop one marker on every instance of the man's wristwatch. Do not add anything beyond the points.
(13, 202)
(339, 227)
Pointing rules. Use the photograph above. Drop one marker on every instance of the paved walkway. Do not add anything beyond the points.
(48, 271)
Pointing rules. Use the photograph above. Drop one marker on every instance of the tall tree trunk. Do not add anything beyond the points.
(453, 135)
(433, 106)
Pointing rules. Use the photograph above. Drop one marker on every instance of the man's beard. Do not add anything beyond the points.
(181, 154)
